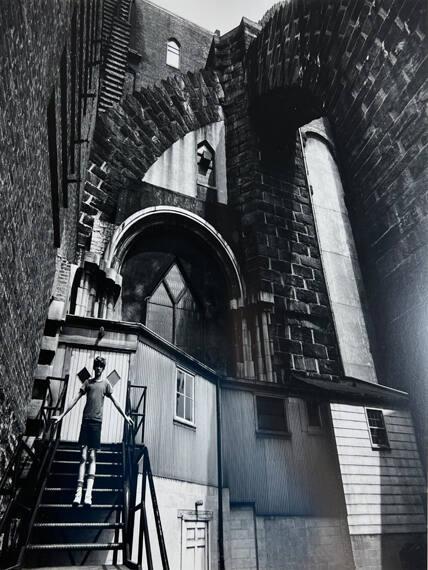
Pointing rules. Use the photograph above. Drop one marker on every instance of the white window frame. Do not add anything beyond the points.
(178, 418)
(377, 446)
(272, 433)
(173, 51)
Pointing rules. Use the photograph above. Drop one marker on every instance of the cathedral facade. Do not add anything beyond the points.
(237, 223)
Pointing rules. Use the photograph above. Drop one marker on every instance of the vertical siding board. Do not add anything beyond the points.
(112, 429)
(282, 475)
(383, 488)
(177, 451)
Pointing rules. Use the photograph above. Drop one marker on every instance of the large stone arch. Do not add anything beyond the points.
(363, 63)
(126, 233)
(133, 134)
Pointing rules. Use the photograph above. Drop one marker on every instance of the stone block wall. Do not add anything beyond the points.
(269, 192)
(365, 63)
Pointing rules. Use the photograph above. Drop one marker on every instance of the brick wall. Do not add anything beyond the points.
(36, 215)
(32, 38)
(152, 27)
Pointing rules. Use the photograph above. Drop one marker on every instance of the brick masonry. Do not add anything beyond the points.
(33, 37)
(152, 27)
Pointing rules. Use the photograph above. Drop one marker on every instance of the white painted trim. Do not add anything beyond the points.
(129, 229)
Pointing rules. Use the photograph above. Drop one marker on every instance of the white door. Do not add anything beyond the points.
(112, 429)
(195, 545)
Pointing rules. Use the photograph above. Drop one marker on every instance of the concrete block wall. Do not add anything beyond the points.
(242, 539)
(287, 543)
(390, 552)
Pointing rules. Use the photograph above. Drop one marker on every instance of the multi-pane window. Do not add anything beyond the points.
(313, 411)
(378, 434)
(173, 53)
(271, 414)
(185, 396)
(173, 313)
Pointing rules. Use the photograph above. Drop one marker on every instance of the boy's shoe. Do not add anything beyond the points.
(78, 497)
(88, 500)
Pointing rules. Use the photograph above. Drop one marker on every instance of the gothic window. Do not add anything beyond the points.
(377, 429)
(173, 313)
(271, 415)
(205, 157)
(173, 53)
(185, 396)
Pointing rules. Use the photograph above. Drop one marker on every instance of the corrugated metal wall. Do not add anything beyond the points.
(383, 488)
(176, 451)
(298, 475)
(112, 430)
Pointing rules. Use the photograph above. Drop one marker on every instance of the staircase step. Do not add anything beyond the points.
(76, 462)
(77, 546)
(78, 525)
(98, 475)
(68, 506)
(73, 489)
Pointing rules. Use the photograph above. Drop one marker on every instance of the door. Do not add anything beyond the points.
(117, 366)
(195, 545)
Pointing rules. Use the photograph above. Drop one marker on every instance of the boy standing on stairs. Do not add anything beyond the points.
(95, 389)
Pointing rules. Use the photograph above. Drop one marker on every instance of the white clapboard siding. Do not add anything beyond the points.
(383, 488)
(112, 428)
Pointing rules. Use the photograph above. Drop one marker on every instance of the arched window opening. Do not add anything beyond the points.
(173, 53)
(206, 164)
(175, 286)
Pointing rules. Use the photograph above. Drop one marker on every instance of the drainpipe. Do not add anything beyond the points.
(219, 480)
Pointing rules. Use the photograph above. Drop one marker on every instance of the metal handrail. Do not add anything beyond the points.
(133, 450)
(39, 468)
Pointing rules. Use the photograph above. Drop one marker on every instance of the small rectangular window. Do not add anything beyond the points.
(185, 397)
(271, 415)
(313, 411)
(377, 429)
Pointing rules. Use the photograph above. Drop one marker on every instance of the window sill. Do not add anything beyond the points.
(380, 447)
(183, 423)
(315, 431)
(274, 434)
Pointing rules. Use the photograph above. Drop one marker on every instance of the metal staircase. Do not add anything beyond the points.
(78, 534)
(41, 528)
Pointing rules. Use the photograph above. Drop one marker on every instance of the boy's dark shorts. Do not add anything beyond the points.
(90, 433)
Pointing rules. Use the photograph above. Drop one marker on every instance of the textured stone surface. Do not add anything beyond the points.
(365, 63)
(33, 36)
